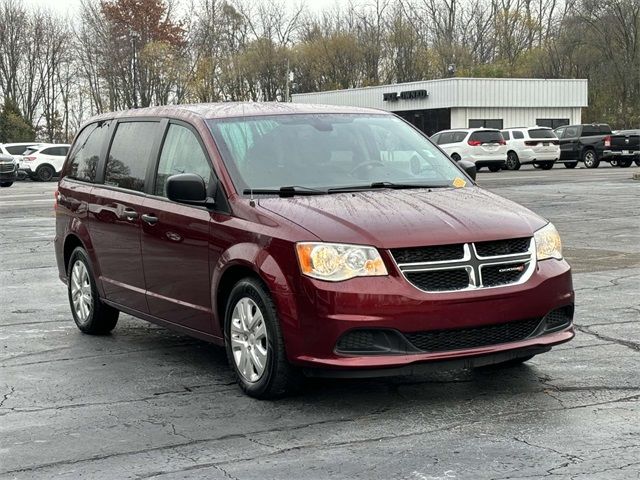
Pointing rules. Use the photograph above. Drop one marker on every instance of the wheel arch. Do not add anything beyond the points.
(248, 260)
(78, 236)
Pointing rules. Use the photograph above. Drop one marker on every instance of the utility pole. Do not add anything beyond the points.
(286, 90)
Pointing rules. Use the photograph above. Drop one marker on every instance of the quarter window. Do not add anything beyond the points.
(130, 155)
(181, 153)
(84, 157)
(505, 134)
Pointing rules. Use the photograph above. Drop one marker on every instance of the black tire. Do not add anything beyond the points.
(570, 164)
(590, 158)
(455, 157)
(546, 165)
(6, 184)
(637, 162)
(101, 318)
(45, 173)
(278, 378)
(625, 163)
(613, 163)
(513, 162)
(495, 168)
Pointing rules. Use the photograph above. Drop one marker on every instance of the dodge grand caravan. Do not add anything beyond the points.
(308, 240)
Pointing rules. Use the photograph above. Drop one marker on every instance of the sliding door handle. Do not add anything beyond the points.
(149, 219)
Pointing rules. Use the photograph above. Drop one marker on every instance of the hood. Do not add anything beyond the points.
(408, 218)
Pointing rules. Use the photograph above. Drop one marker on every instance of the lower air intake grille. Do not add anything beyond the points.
(444, 340)
(559, 318)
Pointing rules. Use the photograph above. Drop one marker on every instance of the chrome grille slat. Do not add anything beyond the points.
(501, 270)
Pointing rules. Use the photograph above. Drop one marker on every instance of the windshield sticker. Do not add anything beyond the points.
(459, 182)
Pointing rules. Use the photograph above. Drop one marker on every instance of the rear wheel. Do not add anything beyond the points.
(90, 314)
(590, 159)
(546, 165)
(44, 173)
(570, 164)
(455, 157)
(637, 162)
(495, 168)
(6, 184)
(614, 163)
(254, 343)
(513, 162)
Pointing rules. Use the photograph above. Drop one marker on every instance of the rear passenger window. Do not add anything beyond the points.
(518, 135)
(445, 138)
(84, 157)
(17, 149)
(181, 153)
(130, 155)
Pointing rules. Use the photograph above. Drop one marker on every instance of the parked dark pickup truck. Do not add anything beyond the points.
(583, 143)
(623, 147)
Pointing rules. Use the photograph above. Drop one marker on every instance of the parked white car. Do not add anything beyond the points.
(534, 145)
(483, 146)
(43, 162)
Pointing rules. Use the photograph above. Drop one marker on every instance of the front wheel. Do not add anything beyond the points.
(570, 164)
(590, 159)
(90, 314)
(625, 163)
(6, 184)
(254, 343)
(546, 165)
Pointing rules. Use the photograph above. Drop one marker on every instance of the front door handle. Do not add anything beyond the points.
(150, 219)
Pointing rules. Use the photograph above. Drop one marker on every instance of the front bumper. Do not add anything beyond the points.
(8, 172)
(326, 311)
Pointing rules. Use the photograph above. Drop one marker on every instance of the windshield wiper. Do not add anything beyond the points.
(376, 185)
(289, 191)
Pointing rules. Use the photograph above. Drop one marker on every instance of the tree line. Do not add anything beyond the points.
(57, 70)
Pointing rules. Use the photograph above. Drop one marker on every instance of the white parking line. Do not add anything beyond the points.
(24, 203)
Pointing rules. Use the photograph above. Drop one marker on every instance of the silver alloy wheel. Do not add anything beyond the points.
(81, 295)
(589, 159)
(512, 161)
(249, 342)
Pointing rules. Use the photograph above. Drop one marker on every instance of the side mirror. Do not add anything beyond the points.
(468, 167)
(188, 188)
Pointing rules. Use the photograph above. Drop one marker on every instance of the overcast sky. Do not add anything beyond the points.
(70, 5)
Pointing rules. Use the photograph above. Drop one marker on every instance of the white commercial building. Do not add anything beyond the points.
(435, 105)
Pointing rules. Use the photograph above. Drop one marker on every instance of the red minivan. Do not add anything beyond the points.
(309, 240)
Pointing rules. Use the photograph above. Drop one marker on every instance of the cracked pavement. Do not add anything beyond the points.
(146, 402)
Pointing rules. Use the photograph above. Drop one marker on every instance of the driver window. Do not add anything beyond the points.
(181, 153)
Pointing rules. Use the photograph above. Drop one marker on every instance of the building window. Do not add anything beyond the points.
(552, 122)
(486, 123)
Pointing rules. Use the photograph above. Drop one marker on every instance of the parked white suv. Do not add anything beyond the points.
(42, 162)
(536, 145)
(483, 146)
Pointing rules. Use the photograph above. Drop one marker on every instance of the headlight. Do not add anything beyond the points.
(335, 262)
(548, 243)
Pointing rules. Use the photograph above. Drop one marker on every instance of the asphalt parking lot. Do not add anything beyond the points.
(145, 402)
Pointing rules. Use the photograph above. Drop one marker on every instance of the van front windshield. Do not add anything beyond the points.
(329, 151)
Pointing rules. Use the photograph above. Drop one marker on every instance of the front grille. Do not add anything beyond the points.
(437, 253)
(504, 274)
(439, 280)
(503, 247)
(464, 266)
(444, 340)
(7, 167)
